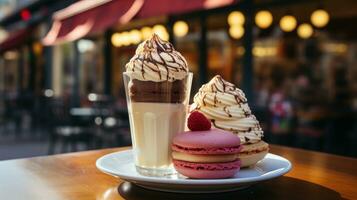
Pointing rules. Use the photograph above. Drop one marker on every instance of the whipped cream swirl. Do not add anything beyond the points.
(157, 60)
(226, 106)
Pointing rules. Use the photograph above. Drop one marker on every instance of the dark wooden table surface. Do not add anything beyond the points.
(74, 176)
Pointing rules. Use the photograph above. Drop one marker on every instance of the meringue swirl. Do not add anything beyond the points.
(157, 60)
(226, 106)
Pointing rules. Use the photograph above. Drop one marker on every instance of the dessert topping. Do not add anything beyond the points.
(226, 106)
(157, 60)
(198, 122)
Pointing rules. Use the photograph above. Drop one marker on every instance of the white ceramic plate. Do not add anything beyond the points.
(121, 164)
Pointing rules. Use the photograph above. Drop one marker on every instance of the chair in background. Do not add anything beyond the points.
(67, 130)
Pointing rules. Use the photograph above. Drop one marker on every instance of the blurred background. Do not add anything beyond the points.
(61, 64)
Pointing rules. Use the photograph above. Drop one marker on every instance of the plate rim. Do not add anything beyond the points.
(159, 180)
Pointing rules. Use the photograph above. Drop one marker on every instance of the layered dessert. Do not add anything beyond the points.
(227, 108)
(158, 85)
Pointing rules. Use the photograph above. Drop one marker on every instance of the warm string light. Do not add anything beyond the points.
(161, 31)
(263, 19)
(305, 30)
(135, 36)
(180, 28)
(288, 23)
(236, 18)
(116, 40)
(125, 38)
(260, 51)
(320, 18)
(146, 32)
(236, 32)
(236, 21)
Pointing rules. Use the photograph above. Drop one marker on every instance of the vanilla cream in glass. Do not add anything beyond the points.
(157, 85)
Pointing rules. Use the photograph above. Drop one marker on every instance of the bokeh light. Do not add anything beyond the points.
(135, 36)
(160, 30)
(263, 19)
(125, 38)
(320, 18)
(305, 30)
(116, 40)
(288, 23)
(236, 32)
(180, 28)
(236, 18)
(146, 32)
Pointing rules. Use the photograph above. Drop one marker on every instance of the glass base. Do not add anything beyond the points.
(167, 172)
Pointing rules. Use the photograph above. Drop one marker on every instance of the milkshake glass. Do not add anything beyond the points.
(157, 85)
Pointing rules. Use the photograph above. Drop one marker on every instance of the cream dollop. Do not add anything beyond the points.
(157, 60)
(226, 106)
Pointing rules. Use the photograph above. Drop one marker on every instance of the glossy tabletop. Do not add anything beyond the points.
(74, 176)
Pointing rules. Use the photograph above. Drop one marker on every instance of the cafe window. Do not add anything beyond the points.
(187, 45)
(91, 66)
(220, 48)
(10, 68)
(63, 69)
(121, 57)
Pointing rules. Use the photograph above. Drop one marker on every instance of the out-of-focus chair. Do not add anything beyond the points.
(113, 131)
(11, 113)
(67, 130)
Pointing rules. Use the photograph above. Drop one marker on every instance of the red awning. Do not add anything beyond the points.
(162, 7)
(89, 16)
(15, 39)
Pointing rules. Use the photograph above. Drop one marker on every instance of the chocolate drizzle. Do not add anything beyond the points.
(203, 99)
(215, 99)
(246, 113)
(215, 125)
(225, 109)
(158, 56)
(227, 86)
(246, 139)
(218, 84)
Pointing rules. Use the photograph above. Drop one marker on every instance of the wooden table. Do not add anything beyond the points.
(74, 176)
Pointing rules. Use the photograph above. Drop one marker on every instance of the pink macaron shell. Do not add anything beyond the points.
(206, 174)
(207, 170)
(213, 138)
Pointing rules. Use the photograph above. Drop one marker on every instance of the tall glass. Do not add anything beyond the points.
(157, 112)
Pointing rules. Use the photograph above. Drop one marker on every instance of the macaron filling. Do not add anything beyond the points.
(203, 158)
(248, 149)
(214, 150)
(254, 151)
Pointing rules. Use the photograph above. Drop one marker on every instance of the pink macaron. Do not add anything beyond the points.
(206, 154)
